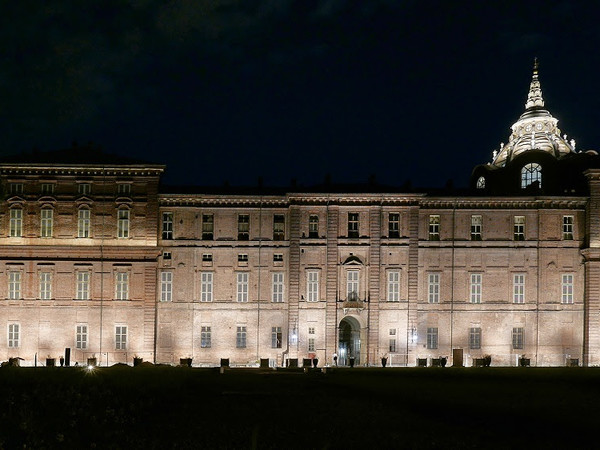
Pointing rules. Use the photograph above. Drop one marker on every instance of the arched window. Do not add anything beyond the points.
(530, 173)
(480, 183)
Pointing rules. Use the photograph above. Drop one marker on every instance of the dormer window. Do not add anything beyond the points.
(480, 183)
(530, 174)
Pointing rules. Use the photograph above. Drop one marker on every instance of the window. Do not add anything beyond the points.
(83, 223)
(393, 290)
(394, 225)
(278, 227)
(123, 223)
(567, 288)
(84, 188)
(352, 225)
(83, 285)
(519, 288)
(242, 286)
(46, 221)
(475, 288)
(122, 286)
(352, 285)
(432, 338)
(166, 286)
(480, 183)
(121, 338)
(433, 281)
(240, 339)
(14, 285)
(277, 294)
(475, 338)
(47, 188)
(276, 337)
(16, 188)
(531, 173)
(475, 228)
(434, 228)
(207, 257)
(81, 337)
(313, 226)
(568, 227)
(16, 222)
(311, 339)
(13, 335)
(243, 257)
(45, 285)
(392, 342)
(518, 338)
(208, 227)
(278, 257)
(519, 228)
(243, 227)
(124, 189)
(166, 255)
(206, 287)
(205, 337)
(167, 225)
(312, 286)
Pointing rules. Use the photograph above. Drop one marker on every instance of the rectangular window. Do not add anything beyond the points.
(45, 285)
(519, 228)
(475, 288)
(124, 189)
(277, 290)
(207, 257)
(352, 225)
(276, 337)
(206, 287)
(16, 188)
(311, 344)
(123, 223)
(393, 290)
(567, 288)
(208, 227)
(243, 227)
(167, 225)
(518, 338)
(166, 286)
(433, 282)
(121, 337)
(313, 226)
(122, 286)
(352, 285)
(312, 286)
(205, 337)
(242, 286)
(475, 338)
(392, 342)
(278, 227)
(47, 188)
(243, 257)
(240, 339)
(434, 228)
(83, 285)
(83, 223)
(16, 222)
(568, 227)
(278, 257)
(432, 338)
(166, 255)
(46, 222)
(14, 331)
(476, 228)
(81, 337)
(519, 288)
(14, 285)
(394, 225)
(84, 188)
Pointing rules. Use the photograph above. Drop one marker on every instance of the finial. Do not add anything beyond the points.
(534, 98)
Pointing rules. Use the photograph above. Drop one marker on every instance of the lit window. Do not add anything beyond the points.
(352, 225)
(208, 227)
(277, 291)
(475, 338)
(519, 228)
(313, 226)
(568, 227)
(166, 286)
(394, 225)
(434, 228)
(352, 285)
(84, 188)
(476, 228)
(276, 337)
(206, 287)
(433, 282)
(205, 337)
(242, 286)
(312, 286)
(16, 222)
(518, 338)
(240, 340)
(123, 223)
(531, 173)
(81, 337)
(167, 225)
(46, 222)
(83, 285)
(519, 288)
(47, 188)
(278, 227)
(393, 290)
(243, 227)
(122, 286)
(475, 288)
(45, 285)
(124, 189)
(14, 285)
(14, 330)
(432, 338)
(83, 223)
(121, 338)
(480, 183)
(567, 288)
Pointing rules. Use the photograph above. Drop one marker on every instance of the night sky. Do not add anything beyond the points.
(228, 90)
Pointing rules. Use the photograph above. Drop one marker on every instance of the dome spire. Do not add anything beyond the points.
(534, 98)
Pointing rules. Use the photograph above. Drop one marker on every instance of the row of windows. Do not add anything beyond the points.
(531, 175)
(83, 223)
(518, 339)
(241, 337)
(82, 188)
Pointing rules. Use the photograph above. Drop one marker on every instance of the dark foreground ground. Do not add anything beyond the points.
(170, 407)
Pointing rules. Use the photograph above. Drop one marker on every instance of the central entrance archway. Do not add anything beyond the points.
(349, 341)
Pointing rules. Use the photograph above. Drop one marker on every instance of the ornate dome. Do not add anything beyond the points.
(536, 129)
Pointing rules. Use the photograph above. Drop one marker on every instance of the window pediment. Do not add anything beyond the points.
(353, 261)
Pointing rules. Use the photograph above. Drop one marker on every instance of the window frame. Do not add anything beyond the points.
(13, 331)
(353, 225)
(206, 287)
(121, 337)
(241, 338)
(393, 286)
(312, 286)
(568, 228)
(313, 226)
(81, 336)
(476, 227)
(475, 338)
(46, 222)
(167, 225)
(432, 338)
(166, 286)
(242, 282)
(434, 227)
(45, 285)
(15, 280)
(123, 223)
(518, 290)
(243, 227)
(208, 227)
(393, 225)
(519, 223)
(475, 287)
(121, 285)
(205, 336)
(567, 288)
(278, 227)
(82, 286)
(277, 287)
(433, 288)
(518, 338)
(276, 337)
(16, 223)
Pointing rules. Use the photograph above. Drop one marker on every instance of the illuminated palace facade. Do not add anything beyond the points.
(95, 258)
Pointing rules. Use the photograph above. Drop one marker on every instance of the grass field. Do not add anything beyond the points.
(171, 407)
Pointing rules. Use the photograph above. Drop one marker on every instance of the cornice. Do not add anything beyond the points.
(505, 203)
(224, 200)
(92, 170)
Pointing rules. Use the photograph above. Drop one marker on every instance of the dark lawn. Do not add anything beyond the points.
(171, 407)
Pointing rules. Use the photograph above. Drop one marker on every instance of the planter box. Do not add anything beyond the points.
(292, 363)
(264, 363)
(421, 362)
(306, 362)
(137, 361)
(573, 362)
(50, 362)
(92, 362)
(186, 362)
(224, 362)
(524, 362)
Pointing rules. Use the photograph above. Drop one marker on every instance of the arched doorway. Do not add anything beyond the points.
(349, 341)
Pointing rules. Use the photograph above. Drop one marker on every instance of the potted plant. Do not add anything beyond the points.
(50, 362)
(137, 361)
(315, 361)
(383, 361)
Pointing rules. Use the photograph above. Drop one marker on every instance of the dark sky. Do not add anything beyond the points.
(233, 90)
